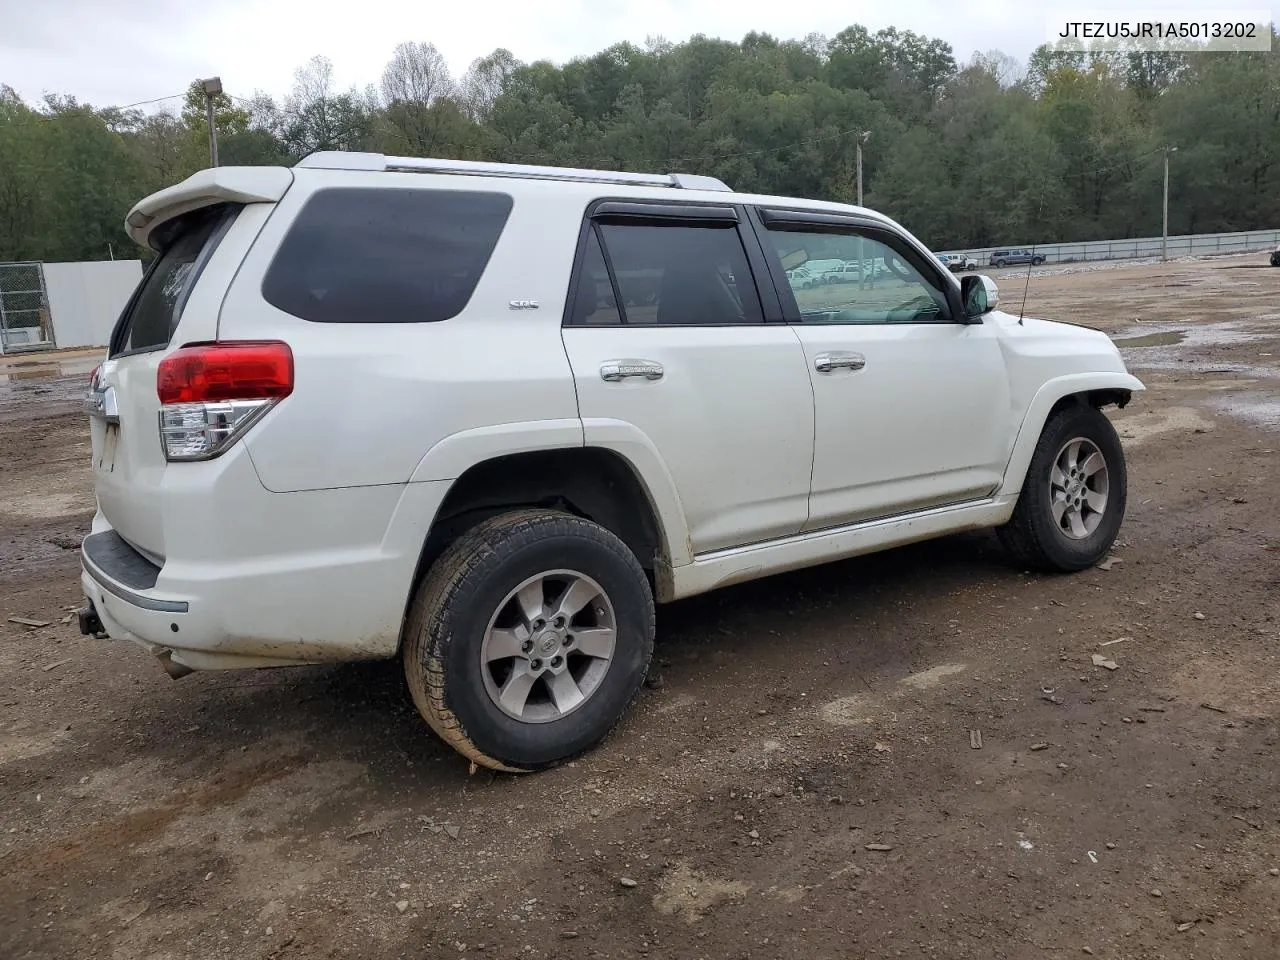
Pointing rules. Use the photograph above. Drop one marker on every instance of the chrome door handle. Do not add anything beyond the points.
(614, 371)
(838, 360)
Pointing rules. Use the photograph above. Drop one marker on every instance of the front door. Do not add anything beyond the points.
(912, 405)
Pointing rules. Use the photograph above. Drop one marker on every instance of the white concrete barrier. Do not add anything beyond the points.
(85, 299)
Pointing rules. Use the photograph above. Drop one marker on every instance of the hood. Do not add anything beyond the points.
(1038, 350)
(1034, 328)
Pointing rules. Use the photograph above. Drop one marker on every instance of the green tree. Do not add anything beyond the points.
(1068, 146)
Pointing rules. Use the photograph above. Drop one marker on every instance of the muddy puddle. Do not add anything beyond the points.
(1260, 409)
(33, 383)
(14, 371)
(1166, 339)
(1242, 354)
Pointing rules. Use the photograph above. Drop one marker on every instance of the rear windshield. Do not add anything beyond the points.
(184, 244)
(376, 255)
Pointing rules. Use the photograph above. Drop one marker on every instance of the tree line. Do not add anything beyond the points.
(1068, 146)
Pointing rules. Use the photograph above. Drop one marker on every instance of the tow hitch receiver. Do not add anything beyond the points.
(90, 623)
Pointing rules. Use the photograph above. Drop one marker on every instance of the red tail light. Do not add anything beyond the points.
(211, 393)
(235, 370)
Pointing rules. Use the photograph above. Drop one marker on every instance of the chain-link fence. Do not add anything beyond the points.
(24, 308)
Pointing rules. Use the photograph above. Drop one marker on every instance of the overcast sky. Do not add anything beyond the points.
(111, 52)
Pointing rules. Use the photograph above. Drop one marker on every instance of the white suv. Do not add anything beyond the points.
(481, 416)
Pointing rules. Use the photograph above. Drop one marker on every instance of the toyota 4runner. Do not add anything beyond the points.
(482, 416)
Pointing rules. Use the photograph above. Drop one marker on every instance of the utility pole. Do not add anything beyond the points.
(862, 138)
(212, 88)
(862, 279)
(1164, 242)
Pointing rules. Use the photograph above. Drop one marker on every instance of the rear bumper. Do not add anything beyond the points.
(266, 579)
(124, 615)
(123, 571)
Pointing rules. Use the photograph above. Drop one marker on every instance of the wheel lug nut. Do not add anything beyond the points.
(556, 661)
(535, 663)
(568, 640)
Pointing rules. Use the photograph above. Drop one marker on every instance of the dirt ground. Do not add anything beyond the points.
(805, 783)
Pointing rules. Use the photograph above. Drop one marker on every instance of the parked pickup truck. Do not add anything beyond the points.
(1004, 258)
(958, 262)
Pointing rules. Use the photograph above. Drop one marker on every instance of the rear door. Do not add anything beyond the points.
(176, 302)
(670, 344)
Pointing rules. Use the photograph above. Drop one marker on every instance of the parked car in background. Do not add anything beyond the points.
(821, 270)
(1004, 258)
(958, 262)
(802, 278)
(852, 272)
(482, 416)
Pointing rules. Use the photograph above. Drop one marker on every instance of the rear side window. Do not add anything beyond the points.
(369, 255)
(183, 244)
(670, 275)
(595, 303)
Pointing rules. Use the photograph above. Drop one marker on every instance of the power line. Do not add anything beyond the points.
(596, 160)
(755, 153)
(46, 118)
(579, 161)
(1129, 161)
(144, 103)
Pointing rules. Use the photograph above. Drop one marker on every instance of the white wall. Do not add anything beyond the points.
(85, 299)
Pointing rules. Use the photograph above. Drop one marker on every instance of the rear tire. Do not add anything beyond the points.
(1001, 263)
(1073, 498)
(528, 638)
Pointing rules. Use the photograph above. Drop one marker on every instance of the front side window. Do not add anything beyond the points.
(851, 278)
(667, 275)
(378, 255)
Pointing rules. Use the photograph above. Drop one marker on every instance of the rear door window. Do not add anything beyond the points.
(680, 275)
(377, 255)
(183, 245)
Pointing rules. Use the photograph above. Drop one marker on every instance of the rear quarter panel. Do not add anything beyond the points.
(371, 399)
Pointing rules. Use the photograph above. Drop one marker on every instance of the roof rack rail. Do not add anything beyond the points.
(345, 160)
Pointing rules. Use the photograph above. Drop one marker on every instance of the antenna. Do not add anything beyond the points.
(1026, 286)
(1044, 185)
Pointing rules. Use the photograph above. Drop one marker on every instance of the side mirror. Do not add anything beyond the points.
(979, 294)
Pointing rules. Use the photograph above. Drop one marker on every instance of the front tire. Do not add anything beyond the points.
(528, 639)
(1073, 499)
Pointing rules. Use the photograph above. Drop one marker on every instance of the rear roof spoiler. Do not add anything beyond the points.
(203, 189)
